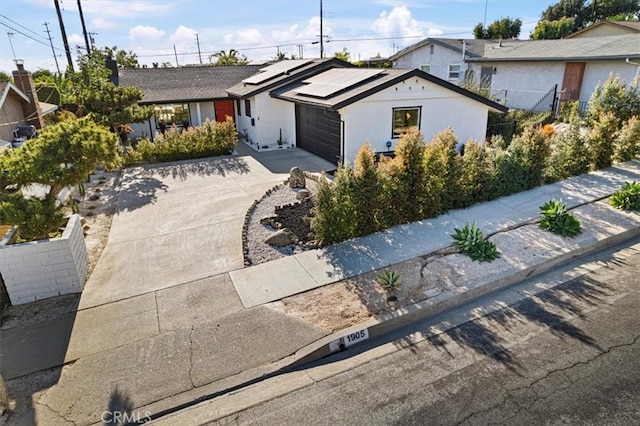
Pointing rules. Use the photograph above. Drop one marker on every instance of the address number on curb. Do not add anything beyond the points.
(355, 337)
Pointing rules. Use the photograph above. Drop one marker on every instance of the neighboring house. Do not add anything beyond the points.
(19, 106)
(443, 57)
(331, 109)
(184, 95)
(261, 118)
(608, 28)
(522, 73)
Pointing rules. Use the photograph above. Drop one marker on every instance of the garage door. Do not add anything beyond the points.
(318, 131)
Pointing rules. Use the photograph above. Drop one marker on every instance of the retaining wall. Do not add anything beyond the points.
(46, 268)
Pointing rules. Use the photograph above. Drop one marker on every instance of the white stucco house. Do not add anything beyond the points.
(331, 109)
(524, 73)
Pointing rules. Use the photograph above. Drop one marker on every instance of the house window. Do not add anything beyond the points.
(238, 105)
(431, 48)
(405, 119)
(454, 72)
(247, 107)
(426, 68)
(169, 114)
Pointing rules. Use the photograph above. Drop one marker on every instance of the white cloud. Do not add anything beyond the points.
(74, 39)
(101, 24)
(144, 32)
(116, 8)
(399, 23)
(183, 34)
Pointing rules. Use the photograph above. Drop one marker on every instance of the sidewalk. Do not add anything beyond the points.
(210, 334)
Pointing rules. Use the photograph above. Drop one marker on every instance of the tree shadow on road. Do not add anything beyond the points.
(119, 409)
(182, 170)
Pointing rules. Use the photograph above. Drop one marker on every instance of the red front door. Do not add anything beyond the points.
(223, 109)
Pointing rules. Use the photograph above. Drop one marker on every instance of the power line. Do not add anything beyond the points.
(21, 26)
(26, 35)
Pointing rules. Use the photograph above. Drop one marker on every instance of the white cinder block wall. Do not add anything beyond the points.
(41, 269)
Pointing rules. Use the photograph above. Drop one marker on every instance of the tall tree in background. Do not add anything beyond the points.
(233, 57)
(555, 19)
(503, 28)
(344, 55)
(123, 58)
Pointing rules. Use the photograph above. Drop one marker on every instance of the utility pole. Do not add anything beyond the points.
(10, 34)
(55, 58)
(301, 51)
(84, 29)
(321, 35)
(175, 54)
(64, 35)
(198, 42)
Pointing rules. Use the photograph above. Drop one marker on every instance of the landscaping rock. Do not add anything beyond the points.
(268, 220)
(281, 238)
(303, 194)
(94, 197)
(296, 178)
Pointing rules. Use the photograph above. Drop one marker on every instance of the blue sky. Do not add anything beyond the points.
(151, 28)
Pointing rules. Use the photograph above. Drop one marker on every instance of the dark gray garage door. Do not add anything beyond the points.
(318, 131)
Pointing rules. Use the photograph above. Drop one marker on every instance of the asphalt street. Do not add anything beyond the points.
(569, 355)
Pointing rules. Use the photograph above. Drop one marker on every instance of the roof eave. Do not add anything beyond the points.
(556, 59)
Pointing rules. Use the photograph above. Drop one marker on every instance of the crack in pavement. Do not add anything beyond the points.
(511, 392)
(191, 357)
(54, 412)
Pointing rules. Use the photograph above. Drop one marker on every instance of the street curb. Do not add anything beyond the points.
(378, 327)
(389, 323)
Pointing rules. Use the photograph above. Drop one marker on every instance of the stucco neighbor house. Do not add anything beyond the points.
(184, 95)
(332, 108)
(608, 28)
(523, 72)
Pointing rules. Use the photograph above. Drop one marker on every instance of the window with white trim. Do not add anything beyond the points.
(405, 119)
(454, 71)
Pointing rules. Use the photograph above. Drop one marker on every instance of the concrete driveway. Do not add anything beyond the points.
(180, 222)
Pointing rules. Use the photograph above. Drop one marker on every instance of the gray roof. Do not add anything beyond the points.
(474, 48)
(314, 66)
(185, 84)
(574, 49)
(631, 26)
(386, 78)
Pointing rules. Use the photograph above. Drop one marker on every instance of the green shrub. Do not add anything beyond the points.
(510, 172)
(471, 241)
(627, 198)
(616, 98)
(569, 155)
(627, 144)
(569, 111)
(367, 192)
(600, 141)
(476, 173)
(409, 177)
(333, 215)
(207, 140)
(554, 217)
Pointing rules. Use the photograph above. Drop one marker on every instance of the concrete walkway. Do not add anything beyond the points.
(295, 274)
(196, 321)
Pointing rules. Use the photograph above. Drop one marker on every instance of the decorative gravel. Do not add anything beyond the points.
(257, 250)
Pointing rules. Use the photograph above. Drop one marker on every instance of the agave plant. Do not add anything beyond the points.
(554, 217)
(389, 280)
(627, 198)
(471, 241)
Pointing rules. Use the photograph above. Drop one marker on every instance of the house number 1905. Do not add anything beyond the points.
(355, 337)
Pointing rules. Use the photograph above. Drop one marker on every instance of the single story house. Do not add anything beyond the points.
(184, 96)
(19, 106)
(331, 109)
(522, 73)
(262, 119)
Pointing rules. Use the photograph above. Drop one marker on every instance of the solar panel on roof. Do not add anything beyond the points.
(335, 80)
(287, 65)
(262, 77)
